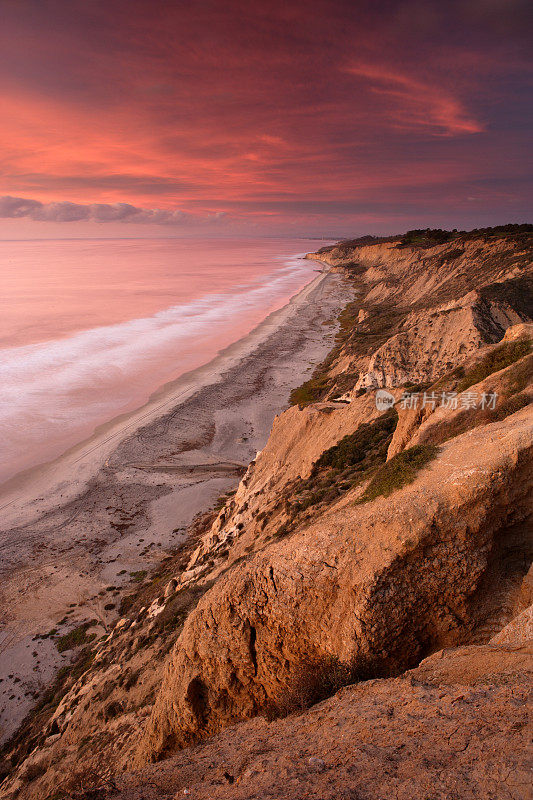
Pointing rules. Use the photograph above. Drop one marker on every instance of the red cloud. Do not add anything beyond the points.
(259, 108)
(410, 103)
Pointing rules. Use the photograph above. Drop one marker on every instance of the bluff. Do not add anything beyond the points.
(384, 549)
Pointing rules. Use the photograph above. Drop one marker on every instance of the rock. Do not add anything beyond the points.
(423, 556)
(450, 716)
(170, 588)
(517, 632)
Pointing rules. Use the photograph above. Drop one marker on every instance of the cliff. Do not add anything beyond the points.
(382, 548)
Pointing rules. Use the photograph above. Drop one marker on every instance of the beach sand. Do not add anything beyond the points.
(73, 530)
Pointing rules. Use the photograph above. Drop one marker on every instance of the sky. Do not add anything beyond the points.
(267, 117)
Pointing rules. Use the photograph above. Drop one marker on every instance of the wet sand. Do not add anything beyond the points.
(73, 530)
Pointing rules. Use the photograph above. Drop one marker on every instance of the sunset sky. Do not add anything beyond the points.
(211, 117)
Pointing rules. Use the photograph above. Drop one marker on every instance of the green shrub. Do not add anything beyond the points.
(351, 339)
(509, 406)
(428, 237)
(339, 469)
(361, 448)
(355, 267)
(321, 382)
(311, 391)
(347, 319)
(451, 255)
(343, 466)
(139, 575)
(518, 377)
(75, 638)
(401, 470)
(415, 387)
(468, 419)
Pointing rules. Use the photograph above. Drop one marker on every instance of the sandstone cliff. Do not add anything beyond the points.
(361, 583)
(359, 544)
(457, 726)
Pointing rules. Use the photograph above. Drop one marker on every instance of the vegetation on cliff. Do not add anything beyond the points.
(429, 237)
(401, 470)
(499, 358)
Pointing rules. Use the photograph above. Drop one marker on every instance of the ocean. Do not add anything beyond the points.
(89, 329)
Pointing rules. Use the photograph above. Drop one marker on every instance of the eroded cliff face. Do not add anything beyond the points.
(381, 585)
(456, 726)
(335, 550)
(377, 585)
(426, 311)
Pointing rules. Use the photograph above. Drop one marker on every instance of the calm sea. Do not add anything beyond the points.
(90, 328)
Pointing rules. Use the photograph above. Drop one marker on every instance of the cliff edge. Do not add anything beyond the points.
(358, 612)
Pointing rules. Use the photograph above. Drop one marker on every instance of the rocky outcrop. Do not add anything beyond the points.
(378, 585)
(298, 438)
(436, 420)
(440, 274)
(437, 306)
(435, 341)
(456, 726)
(381, 584)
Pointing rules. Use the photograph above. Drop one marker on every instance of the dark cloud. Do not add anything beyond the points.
(64, 211)
(15, 207)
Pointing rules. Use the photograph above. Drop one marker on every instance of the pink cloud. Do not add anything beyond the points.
(251, 109)
(410, 103)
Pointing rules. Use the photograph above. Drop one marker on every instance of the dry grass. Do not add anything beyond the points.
(316, 680)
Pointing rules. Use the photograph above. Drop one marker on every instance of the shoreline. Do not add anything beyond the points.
(113, 431)
(77, 527)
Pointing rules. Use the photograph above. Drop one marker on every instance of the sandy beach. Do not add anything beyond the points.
(73, 531)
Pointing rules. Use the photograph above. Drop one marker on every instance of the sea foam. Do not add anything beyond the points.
(54, 393)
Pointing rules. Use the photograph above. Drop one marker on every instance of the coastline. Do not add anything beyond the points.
(74, 529)
(82, 465)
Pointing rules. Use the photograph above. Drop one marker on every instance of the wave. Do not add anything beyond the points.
(54, 393)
